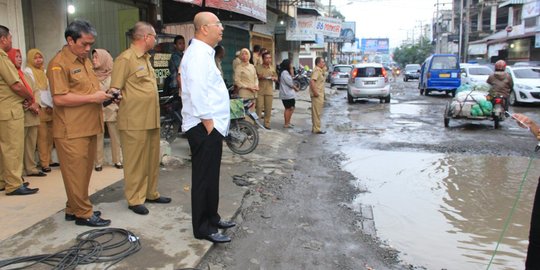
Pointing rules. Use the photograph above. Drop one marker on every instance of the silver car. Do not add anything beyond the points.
(340, 75)
(368, 80)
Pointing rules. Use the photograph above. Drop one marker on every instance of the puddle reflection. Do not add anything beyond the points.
(446, 211)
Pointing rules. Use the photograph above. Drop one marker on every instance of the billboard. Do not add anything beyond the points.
(253, 8)
(330, 27)
(347, 34)
(375, 45)
(301, 29)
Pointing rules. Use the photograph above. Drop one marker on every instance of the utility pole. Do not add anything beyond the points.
(460, 31)
(329, 43)
(467, 30)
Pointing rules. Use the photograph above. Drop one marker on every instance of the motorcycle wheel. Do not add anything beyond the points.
(243, 137)
(169, 130)
(496, 122)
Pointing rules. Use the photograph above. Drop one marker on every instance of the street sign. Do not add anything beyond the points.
(508, 29)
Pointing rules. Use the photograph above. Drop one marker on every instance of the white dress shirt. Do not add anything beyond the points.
(204, 94)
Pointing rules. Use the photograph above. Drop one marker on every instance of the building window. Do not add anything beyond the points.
(530, 22)
(517, 16)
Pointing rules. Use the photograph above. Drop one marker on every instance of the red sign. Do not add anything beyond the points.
(509, 29)
(194, 2)
(254, 8)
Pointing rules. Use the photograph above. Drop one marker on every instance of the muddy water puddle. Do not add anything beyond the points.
(446, 211)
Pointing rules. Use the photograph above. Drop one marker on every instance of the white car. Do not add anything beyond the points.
(526, 84)
(368, 80)
(474, 74)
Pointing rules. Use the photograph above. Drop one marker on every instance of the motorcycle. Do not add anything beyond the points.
(301, 79)
(243, 136)
(171, 117)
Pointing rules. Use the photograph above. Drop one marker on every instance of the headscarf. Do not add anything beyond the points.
(104, 66)
(39, 73)
(11, 55)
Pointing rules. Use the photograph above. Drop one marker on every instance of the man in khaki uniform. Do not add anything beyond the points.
(77, 119)
(317, 95)
(267, 76)
(12, 94)
(138, 119)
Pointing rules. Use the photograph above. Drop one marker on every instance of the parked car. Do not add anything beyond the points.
(473, 73)
(368, 80)
(526, 84)
(412, 71)
(440, 72)
(340, 75)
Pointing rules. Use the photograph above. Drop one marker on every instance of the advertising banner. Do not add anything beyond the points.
(531, 9)
(330, 27)
(301, 29)
(375, 45)
(347, 35)
(253, 8)
(194, 2)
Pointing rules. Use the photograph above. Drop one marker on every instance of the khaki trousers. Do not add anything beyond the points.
(264, 103)
(45, 143)
(11, 153)
(114, 135)
(316, 112)
(30, 141)
(77, 157)
(140, 149)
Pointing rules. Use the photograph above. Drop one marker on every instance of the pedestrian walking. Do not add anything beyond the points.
(138, 119)
(13, 93)
(317, 95)
(267, 76)
(77, 119)
(287, 91)
(103, 64)
(206, 116)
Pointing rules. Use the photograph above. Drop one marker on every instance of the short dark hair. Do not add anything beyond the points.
(4, 31)
(77, 27)
(265, 54)
(177, 38)
(318, 60)
(219, 49)
(256, 48)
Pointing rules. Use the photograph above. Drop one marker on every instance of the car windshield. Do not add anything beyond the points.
(412, 68)
(444, 62)
(343, 69)
(527, 73)
(480, 71)
(369, 72)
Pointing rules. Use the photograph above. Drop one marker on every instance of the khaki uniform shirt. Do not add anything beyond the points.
(266, 86)
(318, 77)
(67, 74)
(257, 60)
(31, 119)
(10, 103)
(245, 76)
(134, 76)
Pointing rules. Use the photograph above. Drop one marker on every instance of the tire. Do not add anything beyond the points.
(350, 99)
(512, 100)
(447, 115)
(405, 79)
(169, 130)
(243, 137)
(387, 99)
(426, 92)
(496, 122)
(453, 94)
(421, 90)
(331, 85)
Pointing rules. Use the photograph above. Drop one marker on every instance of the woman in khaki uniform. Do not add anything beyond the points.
(245, 77)
(31, 120)
(35, 69)
(103, 64)
(267, 76)
(317, 95)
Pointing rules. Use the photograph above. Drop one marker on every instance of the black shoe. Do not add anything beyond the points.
(225, 224)
(139, 209)
(46, 169)
(161, 199)
(26, 184)
(98, 168)
(54, 164)
(23, 191)
(71, 217)
(217, 238)
(320, 132)
(93, 221)
(38, 174)
(118, 165)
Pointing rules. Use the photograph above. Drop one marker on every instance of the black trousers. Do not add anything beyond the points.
(533, 252)
(206, 151)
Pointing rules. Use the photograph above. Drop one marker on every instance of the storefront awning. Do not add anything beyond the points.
(477, 49)
(181, 11)
(511, 2)
(493, 49)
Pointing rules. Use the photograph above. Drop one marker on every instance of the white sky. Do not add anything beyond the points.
(393, 19)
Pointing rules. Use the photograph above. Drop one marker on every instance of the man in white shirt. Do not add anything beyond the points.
(206, 117)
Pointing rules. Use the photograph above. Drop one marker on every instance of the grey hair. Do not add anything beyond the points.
(140, 30)
(77, 27)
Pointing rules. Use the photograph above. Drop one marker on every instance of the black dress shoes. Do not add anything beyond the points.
(161, 199)
(98, 168)
(23, 191)
(46, 169)
(118, 165)
(225, 224)
(139, 209)
(38, 174)
(71, 217)
(54, 164)
(93, 221)
(217, 238)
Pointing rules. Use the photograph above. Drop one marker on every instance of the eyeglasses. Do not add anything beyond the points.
(150, 34)
(218, 24)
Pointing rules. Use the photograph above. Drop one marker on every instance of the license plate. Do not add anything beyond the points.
(444, 75)
(369, 82)
(343, 76)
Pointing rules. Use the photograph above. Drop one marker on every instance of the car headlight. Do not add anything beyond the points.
(523, 87)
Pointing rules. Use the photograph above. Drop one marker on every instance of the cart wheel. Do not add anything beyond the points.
(496, 122)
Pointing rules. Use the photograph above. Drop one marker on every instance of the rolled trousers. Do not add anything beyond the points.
(533, 252)
(77, 156)
(45, 143)
(140, 149)
(316, 112)
(11, 153)
(206, 150)
(114, 135)
(264, 103)
(30, 142)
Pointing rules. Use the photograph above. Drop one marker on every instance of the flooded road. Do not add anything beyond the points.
(446, 211)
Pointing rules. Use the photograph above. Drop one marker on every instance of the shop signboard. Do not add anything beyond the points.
(531, 9)
(194, 2)
(330, 27)
(347, 35)
(253, 8)
(375, 45)
(301, 28)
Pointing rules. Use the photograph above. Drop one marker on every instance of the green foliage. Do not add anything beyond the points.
(413, 54)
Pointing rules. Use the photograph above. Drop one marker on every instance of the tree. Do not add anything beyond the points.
(413, 54)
